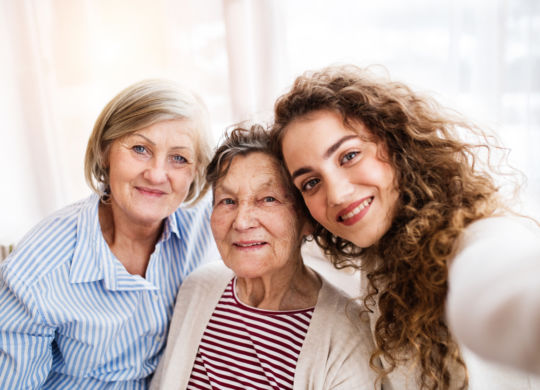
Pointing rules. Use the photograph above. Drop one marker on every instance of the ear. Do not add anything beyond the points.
(307, 228)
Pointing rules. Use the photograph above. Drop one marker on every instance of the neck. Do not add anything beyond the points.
(131, 244)
(293, 290)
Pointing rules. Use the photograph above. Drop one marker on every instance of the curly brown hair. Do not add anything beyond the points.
(442, 190)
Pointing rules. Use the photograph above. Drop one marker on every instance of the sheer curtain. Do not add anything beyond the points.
(64, 59)
(480, 57)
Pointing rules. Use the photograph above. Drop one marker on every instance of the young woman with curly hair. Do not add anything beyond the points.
(395, 192)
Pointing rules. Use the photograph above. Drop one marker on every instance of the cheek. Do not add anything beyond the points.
(391, 184)
(182, 182)
(218, 224)
(119, 170)
(393, 199)
(287, 228)
(316, 206)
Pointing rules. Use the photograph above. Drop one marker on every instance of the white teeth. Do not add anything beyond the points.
(359, 208)
(248, 245)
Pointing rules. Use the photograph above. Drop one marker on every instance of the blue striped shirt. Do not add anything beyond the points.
(72, 317)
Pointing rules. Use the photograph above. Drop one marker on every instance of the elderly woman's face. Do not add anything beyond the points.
(254, 223)
(150, 172)
(346, 183)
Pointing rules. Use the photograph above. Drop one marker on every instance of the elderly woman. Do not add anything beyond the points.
(87, 295)
(395, 192)
(264, 320)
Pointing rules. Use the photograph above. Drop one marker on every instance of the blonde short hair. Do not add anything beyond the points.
(141, 105)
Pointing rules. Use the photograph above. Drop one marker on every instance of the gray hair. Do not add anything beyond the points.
(242, 141)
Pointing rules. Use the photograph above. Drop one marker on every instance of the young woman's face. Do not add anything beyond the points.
(346, 183)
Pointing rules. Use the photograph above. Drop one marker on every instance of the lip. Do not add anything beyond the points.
(249, 245)
(351, 207)
(150, 191)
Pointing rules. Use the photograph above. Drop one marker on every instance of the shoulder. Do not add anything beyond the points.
(333, 296)
(208, 276)
(503, 222)
(194, 213)
(61, 220)
(500, 237)
(198, 296)
(511, 227)
(347, 312)
(493, 254)
(193, 222)
(340, 334)
(48, 244)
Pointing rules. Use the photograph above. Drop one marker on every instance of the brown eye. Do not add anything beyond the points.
(310, 184)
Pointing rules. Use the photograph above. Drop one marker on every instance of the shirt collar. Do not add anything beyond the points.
(86, 265)
(93, 259)
(171, 225)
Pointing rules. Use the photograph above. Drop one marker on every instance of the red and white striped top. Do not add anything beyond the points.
(244, 347)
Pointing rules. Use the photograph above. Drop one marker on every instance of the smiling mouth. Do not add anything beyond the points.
(150, 191)
(249, 244)
(356, 210)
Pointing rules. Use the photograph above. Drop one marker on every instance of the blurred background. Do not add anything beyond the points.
(65, 59)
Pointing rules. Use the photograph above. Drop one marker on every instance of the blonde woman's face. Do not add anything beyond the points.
(346, 184)
(150, 172)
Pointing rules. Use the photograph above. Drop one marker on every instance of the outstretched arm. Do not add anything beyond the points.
(493, 304)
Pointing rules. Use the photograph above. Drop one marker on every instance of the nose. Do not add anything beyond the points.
(245, 217)
(156, 172)
(338, 189)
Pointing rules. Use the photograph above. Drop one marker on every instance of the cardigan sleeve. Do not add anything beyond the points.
(335, 354)
(493, 304)
(195, 302)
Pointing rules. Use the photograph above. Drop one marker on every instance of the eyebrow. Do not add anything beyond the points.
(228, 190)
(154, 144)
(300, 171)
(335, 146)
(146, 138)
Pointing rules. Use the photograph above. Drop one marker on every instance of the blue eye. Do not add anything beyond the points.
(348, 157)
(178, 159)
(227, 201)
(139, 149)
(269, 199)
(310, 184)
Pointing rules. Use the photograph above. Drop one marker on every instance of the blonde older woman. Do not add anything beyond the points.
(263, 320)
(87, 295)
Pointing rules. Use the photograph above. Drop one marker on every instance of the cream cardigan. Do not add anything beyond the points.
(335, 353)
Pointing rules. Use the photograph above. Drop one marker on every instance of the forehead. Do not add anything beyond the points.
(330, 123)
(256, 170)
(176, 131)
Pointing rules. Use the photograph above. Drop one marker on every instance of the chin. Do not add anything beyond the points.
(150, 220)
(364, 242)
(247, 273)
